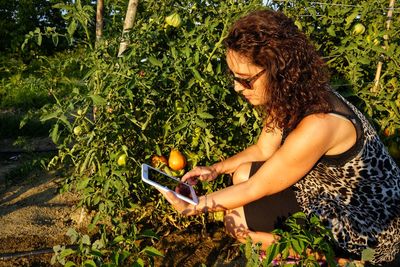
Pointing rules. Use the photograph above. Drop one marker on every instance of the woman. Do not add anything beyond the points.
(317, 153)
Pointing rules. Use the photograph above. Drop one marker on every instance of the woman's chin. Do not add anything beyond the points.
(254, 101)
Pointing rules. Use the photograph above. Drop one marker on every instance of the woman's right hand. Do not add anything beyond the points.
(202, 173)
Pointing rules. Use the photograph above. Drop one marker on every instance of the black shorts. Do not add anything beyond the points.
(270, 212)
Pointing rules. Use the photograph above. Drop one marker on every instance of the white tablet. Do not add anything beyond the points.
(164, 182)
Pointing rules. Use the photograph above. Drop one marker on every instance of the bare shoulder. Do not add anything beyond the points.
(317, 129)
(336, 133)
(318, 119)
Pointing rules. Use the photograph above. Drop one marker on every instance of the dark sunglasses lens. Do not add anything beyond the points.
(242, 82)
(245, 84)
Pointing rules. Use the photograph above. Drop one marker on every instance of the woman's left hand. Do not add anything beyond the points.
(180, 205)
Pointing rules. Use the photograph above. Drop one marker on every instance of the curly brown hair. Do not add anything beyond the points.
(297, 76)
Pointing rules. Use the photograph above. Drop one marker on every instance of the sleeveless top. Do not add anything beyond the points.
(357, 193)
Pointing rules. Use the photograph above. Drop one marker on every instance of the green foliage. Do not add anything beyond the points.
(306, 237)
(25, 93)
(19, 17)
(19, 87)
(252, 253)
(77, 14)
(304, 242)
(27, 88)
(169, 90)
(127, 250)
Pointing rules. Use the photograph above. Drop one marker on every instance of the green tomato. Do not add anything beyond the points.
(173, 20)
(121, 160)
(178, 106)
(358, 29)
(77, 130)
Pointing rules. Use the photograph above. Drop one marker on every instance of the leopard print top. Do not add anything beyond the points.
(356, 193)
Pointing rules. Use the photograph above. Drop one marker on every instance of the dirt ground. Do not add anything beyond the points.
(199, 248)
(34, 217)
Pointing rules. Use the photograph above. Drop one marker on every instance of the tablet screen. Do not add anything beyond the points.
(170, 182)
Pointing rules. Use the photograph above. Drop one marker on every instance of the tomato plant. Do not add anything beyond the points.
(168, 90)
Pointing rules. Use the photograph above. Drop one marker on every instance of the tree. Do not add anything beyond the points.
(128, 24)
(19, 17)
(99, 20)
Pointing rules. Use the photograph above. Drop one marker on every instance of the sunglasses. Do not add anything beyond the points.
(248, 83)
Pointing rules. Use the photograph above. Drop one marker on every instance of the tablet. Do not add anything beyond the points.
(164, 182)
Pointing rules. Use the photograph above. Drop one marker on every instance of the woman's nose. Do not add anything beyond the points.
(238, 87)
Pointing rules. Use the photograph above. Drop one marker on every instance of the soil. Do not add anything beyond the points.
(34, 217)
(200, 247)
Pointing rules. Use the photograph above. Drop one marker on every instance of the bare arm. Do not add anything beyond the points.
(267, 144)
(314, 137)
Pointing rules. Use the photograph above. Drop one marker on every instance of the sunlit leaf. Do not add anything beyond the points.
(98, 100)
(152, 251)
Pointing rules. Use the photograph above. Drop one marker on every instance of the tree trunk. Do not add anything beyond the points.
(99, 34)
(128, 24)
(99, 20)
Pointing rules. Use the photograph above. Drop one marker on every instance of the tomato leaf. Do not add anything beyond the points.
(205, 115)
(155, 61)
(98, 100)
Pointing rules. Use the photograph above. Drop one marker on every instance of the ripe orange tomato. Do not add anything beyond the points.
(387, 132)
(176, 160)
